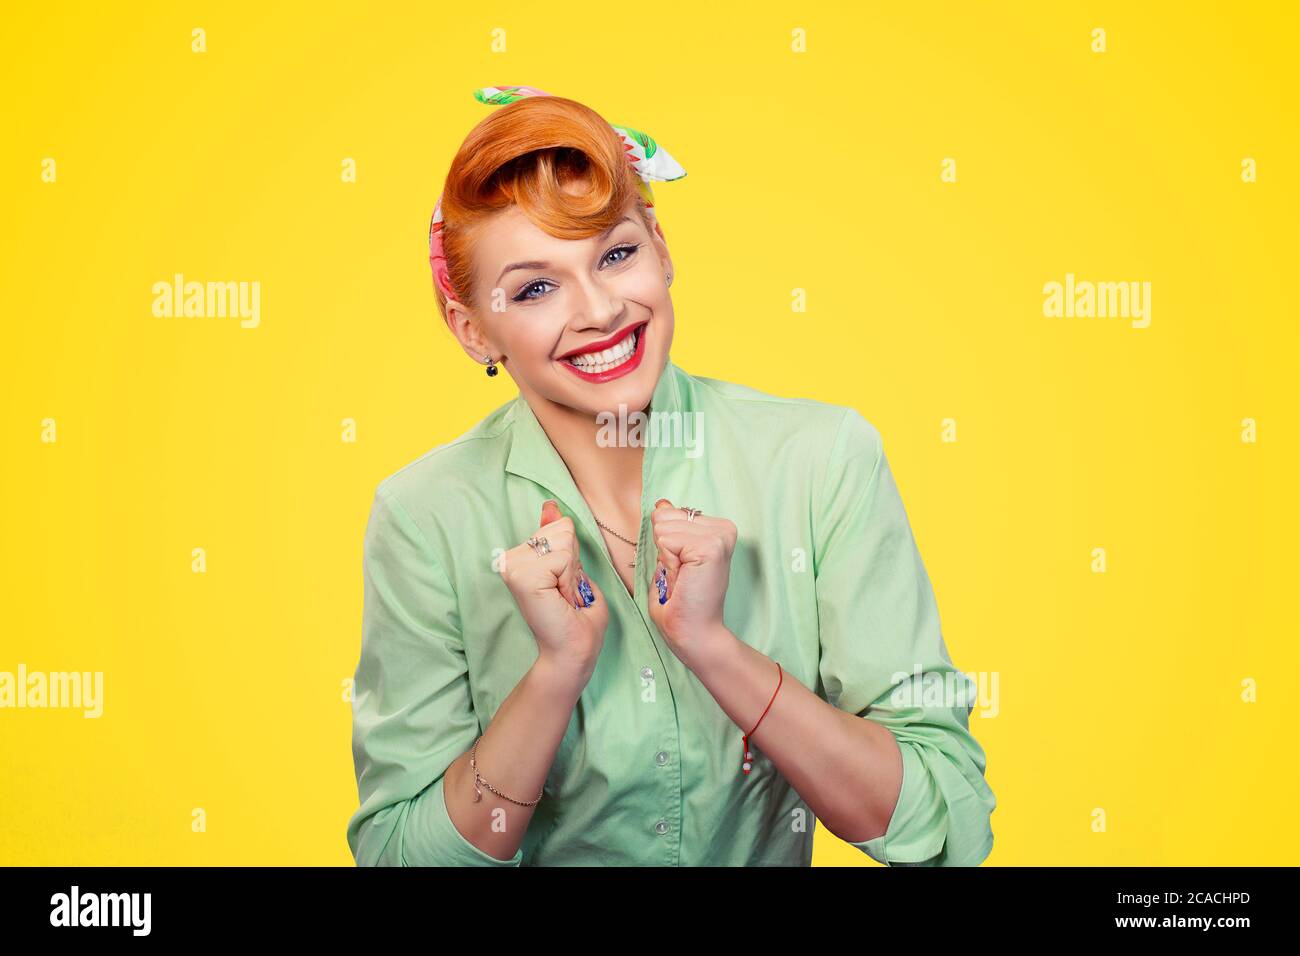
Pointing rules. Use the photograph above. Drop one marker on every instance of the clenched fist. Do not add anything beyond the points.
(563, 608)
(694, 570)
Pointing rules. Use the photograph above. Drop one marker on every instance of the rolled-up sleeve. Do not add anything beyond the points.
(883, 658)
(412, 714)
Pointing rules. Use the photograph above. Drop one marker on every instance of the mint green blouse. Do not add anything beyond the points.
(825, 578)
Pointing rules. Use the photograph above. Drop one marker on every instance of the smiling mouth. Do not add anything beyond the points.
(622, 356)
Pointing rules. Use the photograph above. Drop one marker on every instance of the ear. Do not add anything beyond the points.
(464, 324)
(665, 258)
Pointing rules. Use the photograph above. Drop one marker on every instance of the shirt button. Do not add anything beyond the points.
(661, 826)
(661, 757)
(647, 673)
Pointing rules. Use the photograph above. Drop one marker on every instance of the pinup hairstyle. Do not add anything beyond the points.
(524, 153)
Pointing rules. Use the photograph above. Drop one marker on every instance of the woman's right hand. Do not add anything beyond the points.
(546, 587)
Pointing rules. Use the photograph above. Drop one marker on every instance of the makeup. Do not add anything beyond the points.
(609, 358)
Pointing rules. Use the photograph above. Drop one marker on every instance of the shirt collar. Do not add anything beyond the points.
(532, 455)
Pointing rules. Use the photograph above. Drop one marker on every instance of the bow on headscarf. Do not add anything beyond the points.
(650, 161)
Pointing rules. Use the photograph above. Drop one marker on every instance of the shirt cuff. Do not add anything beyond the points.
(919, 826)
(436, 831)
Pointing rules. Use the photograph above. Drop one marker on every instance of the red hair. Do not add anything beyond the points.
(523, 154)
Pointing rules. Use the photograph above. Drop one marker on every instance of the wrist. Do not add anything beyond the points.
(711, 649)
(563, 678)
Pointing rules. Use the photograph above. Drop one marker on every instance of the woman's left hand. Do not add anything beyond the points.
(696, 555)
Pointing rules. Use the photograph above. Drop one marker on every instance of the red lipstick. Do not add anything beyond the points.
(629, 364)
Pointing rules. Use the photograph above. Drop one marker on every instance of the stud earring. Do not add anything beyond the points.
(491, 365)
(670, 278)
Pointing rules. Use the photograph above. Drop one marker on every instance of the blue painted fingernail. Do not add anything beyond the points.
(584, 588)
(661, 581)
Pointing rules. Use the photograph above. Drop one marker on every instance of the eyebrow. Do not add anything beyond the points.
(538, 264)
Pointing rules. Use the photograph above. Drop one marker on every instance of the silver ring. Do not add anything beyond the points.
(691, 513)
(540, 545)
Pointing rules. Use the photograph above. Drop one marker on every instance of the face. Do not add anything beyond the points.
(585, 324)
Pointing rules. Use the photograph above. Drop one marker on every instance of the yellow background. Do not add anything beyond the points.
(817, 170)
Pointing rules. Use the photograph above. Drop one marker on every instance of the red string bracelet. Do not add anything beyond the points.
(745, 764)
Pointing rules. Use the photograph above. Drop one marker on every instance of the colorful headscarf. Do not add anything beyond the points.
(650, 161)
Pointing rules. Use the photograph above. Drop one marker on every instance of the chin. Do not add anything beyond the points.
(633, 391)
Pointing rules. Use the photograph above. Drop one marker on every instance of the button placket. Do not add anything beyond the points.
(672, 782)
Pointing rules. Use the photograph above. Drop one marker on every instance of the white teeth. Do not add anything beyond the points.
(609, 358)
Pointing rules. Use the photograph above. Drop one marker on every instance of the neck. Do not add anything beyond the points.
(608, 477)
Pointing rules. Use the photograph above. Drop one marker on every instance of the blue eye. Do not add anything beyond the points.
(526, 294)
(629, 249)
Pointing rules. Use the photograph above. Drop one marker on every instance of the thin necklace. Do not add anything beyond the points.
(617, 535)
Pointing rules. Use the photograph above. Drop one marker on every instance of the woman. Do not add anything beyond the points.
(635, 616)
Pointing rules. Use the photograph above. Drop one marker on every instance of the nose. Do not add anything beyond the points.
(596, 305)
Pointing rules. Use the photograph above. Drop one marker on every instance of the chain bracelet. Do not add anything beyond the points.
(478, 792)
